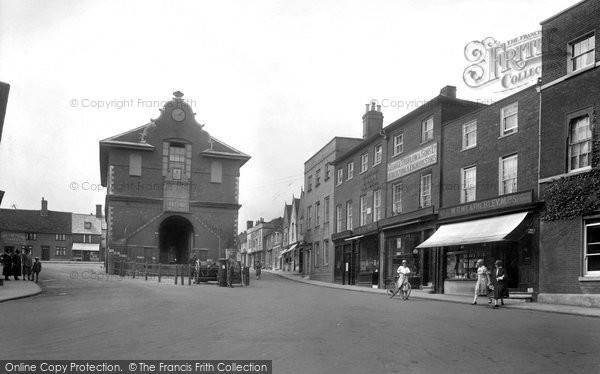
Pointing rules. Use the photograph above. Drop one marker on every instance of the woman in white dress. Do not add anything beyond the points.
(403, 272)
(483, 282)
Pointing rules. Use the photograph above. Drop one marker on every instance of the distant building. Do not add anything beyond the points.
(172, 189)
(52, 235)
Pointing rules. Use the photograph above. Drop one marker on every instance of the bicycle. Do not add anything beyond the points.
(392, 289)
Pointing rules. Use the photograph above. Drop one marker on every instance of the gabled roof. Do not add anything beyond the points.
(222, 150)
(277, 223)
(20, 220)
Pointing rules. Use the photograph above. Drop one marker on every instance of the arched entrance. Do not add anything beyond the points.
(176, 238)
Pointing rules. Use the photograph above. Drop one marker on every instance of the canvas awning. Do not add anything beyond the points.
(484, 230)
(86, 247)
(289, 249)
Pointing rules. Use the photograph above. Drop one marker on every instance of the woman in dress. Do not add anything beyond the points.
(403, 272)
(499, 279)
(483, 281)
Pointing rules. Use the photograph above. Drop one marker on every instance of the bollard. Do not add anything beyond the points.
(175, 274)
(159, 272)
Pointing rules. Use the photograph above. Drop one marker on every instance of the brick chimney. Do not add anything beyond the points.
(99, 211)
(249, 225)
(372, 120)
(449, 91)
(44, 211)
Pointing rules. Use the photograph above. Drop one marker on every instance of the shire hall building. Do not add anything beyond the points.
(172, 189)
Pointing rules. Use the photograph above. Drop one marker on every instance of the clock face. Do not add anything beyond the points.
(178, 114)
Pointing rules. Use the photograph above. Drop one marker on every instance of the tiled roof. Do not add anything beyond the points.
(20, 220)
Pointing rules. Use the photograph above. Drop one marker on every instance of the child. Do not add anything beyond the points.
(37, 267)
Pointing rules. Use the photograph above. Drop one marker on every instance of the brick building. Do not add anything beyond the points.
(489, 207)
(569, 157)
(319, 215)
(172, 189)
(387, 192)
(86, 234)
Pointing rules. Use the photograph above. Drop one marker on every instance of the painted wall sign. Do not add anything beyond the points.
(418, 160)
(13, 238)
(489, 204)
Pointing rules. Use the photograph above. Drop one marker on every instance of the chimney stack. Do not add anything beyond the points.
(449, 91)
(44, 211)
(249, 225)
(372, 120)
(99, 211)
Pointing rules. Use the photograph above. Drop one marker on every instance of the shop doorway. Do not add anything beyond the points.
(349, 267)
(175, 240)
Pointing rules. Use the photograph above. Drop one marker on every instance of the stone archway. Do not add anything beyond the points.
(176, 238)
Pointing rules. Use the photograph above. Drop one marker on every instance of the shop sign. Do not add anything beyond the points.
(13, 238)
(415, 161)
(489, 204)
(366, 229)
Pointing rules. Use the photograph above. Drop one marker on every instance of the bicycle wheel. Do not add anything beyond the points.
(392, 289)
(408, 289)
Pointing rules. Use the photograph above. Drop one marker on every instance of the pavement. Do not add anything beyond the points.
(17, 289)
(461, 299)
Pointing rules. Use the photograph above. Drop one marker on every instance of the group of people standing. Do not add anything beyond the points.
(491, 284)
(20, 264)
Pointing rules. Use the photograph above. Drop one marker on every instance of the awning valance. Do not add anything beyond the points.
(484, 230)
(86, 247)
(354, 238)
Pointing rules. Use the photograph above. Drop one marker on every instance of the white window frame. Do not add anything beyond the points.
(309, 216)
(325, 252)
(350, 171)
(364, 162)
(501, 175)
(588, 140)
(317, 214)
(396, 198)
(363, 210)
(377, 154)
(575, 56)
(467, 133)
(326, 201)
(425, 191)
(468, 186)
(426, 132)
(340, 176)
(376, 205)
(398, 144)
(349, 215)
(338, 218)
(585, 249)
(504, 131)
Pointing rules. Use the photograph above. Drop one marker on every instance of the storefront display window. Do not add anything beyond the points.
(462, 264)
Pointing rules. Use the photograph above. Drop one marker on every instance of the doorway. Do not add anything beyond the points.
(175, 240)
(349, 265)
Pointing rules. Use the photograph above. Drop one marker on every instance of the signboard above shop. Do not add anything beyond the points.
(499, 202)
(415, 161)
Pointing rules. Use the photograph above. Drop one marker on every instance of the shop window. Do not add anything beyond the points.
(582, 53)
(592, 248)
(463, 264)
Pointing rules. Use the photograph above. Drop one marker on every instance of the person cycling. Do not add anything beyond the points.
(403, 272)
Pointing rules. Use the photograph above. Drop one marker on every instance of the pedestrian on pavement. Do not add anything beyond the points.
(16, 264)
(192, 265)
(483, 282)
(7, 264)
(230, 271)
(36, 268)
(257, 268)
(27, 261)
(499, 280)
(403, 272)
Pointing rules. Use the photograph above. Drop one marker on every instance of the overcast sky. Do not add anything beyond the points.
(275, 79)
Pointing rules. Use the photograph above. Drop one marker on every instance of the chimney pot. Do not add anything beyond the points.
(448, 91)
(44, 211)
(99, 210)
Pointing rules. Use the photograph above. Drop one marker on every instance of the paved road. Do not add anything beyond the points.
(302, 328)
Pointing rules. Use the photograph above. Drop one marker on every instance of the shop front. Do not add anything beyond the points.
(510, 238)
